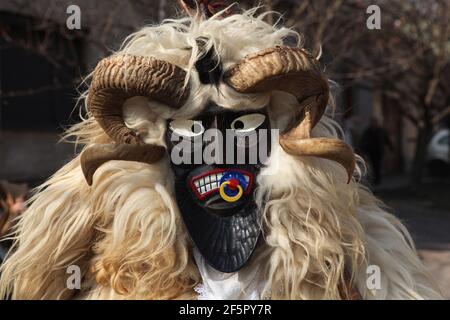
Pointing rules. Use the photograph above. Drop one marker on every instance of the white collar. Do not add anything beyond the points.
(244, 284)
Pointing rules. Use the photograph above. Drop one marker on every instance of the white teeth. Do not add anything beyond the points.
(211, 182)
(208, 183)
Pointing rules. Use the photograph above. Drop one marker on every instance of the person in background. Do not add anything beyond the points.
(373, 142)
(4, 217)
(5, 207)
(12, 204)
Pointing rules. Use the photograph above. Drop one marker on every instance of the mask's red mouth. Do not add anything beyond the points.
(207, 183)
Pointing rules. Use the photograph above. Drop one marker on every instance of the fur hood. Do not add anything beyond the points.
(125, 232)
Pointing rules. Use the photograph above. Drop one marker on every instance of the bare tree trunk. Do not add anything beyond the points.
(447, 173)
(424, 135)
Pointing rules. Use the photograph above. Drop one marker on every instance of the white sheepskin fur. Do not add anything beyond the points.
(125, 231)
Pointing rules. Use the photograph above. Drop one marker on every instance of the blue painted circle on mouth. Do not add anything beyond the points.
(228, 175)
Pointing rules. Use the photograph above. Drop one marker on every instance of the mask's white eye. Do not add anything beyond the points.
(248, 122)
(187, 128)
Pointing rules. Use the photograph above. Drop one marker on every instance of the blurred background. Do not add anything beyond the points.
(392, 93)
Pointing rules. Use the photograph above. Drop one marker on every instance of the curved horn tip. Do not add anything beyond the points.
(95, 156)
(350, 172)
(325, 148)
(87, 170)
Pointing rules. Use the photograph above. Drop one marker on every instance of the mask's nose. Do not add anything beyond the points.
(214, 143)
(232, 186)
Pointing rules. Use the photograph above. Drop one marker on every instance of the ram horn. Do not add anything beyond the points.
(116, 79)
(295, 71)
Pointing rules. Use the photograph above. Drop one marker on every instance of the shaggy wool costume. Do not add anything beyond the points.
(125, 232)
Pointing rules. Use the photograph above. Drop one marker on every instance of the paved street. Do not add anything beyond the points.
(426, 213)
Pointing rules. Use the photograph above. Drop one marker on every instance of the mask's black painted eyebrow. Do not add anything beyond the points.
(213, 109)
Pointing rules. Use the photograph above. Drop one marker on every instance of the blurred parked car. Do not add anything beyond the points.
(438, 156)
